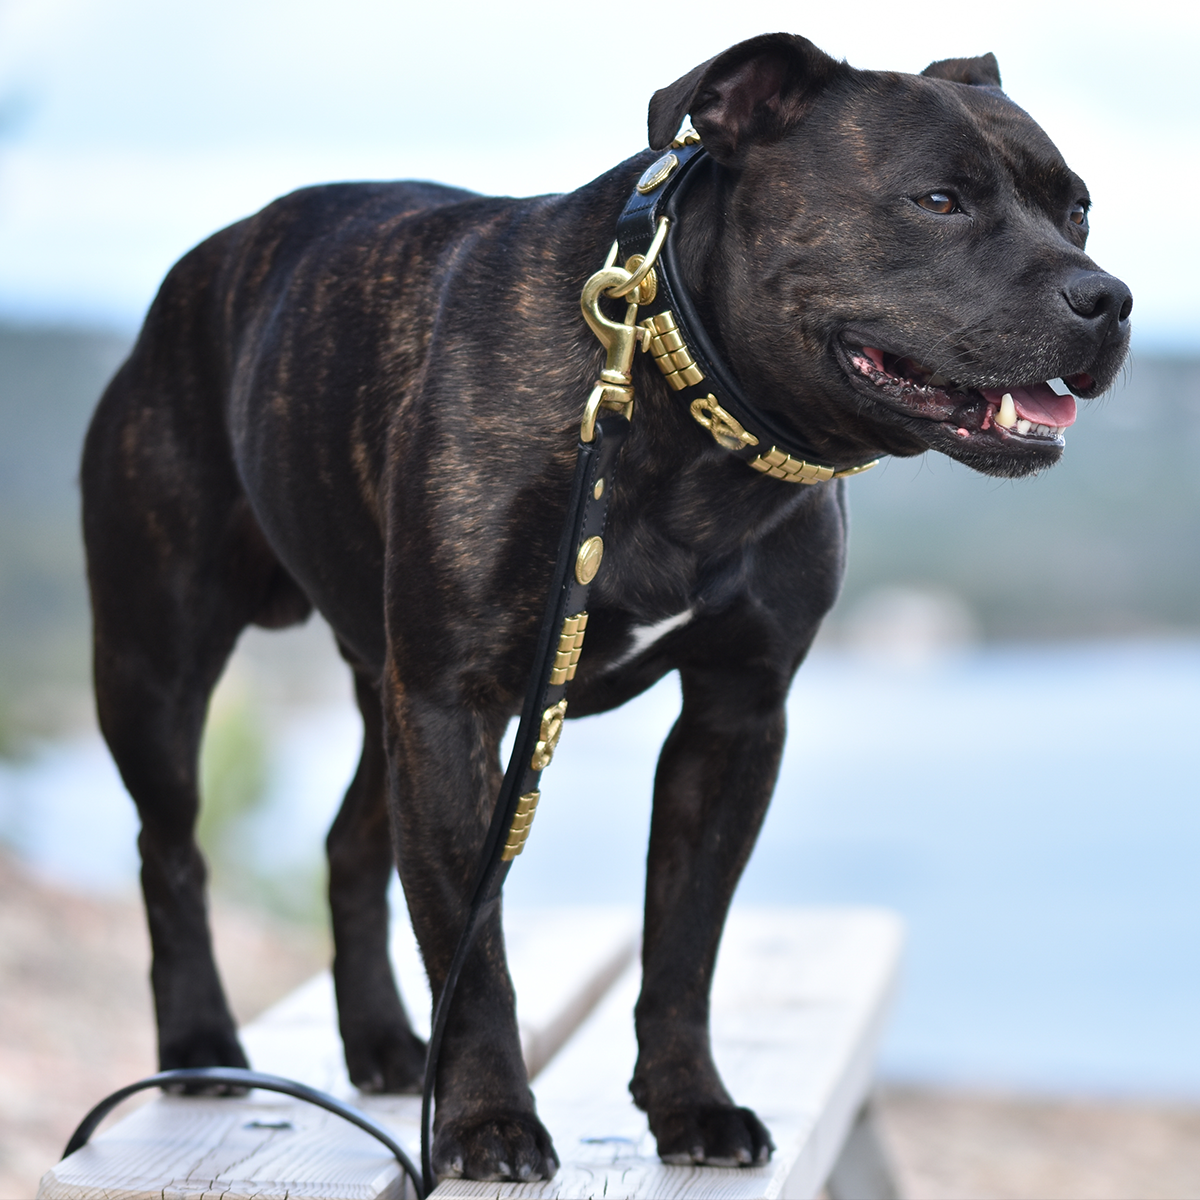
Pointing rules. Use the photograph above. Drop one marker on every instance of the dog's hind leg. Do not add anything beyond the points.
(382, 1052)
(177, 568)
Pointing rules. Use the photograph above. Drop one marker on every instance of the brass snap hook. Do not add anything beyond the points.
(614, 388)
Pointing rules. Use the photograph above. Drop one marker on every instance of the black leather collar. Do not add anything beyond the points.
(693, 367)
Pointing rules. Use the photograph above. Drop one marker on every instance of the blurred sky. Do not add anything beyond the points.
(130, 129)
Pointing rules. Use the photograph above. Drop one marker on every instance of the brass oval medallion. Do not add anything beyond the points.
(658, 172)
(587, 562)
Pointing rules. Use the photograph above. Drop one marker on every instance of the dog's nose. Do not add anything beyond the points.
(1100, 299)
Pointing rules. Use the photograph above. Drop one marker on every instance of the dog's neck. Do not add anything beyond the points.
(685, 346)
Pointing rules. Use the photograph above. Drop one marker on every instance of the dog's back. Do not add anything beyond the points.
(274, 353)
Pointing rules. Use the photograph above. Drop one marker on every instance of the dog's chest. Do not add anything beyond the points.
(693, 565)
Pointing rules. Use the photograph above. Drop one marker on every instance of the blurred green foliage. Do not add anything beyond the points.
(234, 765)
(50, 380)
(235, 771)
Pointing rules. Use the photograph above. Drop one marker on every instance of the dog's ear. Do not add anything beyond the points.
(982, 72)
(754, 91)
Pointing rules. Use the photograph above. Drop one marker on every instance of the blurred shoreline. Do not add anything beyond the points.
(1106, 544)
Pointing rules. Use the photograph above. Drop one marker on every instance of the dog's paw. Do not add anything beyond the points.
(391, 1062)
(206, 1048)
(715, 1135)
(507, 1146)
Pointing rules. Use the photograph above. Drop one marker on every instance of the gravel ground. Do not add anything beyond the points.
(75, 1013)
(75, 1023)
(954, 1145)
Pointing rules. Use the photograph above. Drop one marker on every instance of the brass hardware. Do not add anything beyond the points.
(645, 291)
(570, 646)
(663, 340)
(522, 822)
(792, 470)
(855, 470)
(587, 561)
(687, 137)
(795, 470)
(548, 735)
(598, 490)
(657, 173)
(645, 265)
(726, 430)
(614, 388)
(619, 338)
(619, 399)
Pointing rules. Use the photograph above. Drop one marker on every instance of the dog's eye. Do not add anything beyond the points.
(939, 202)
(1078, 214)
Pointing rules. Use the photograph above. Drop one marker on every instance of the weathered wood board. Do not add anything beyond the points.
(798, 1004)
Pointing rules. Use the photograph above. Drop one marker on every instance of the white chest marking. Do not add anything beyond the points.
(644, 636)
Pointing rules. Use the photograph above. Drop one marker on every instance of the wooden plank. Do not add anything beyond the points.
(798, 1005)
(562, 961)
(262, 1146)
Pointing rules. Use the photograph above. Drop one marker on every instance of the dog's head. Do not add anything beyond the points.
(902, 256)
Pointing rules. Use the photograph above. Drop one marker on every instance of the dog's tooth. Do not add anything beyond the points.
(937, 381)
(1024, 425)
(1006, 417)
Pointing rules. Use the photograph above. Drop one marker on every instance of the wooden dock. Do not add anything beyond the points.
(799, 1001)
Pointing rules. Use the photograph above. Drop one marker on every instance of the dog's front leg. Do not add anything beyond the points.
(445, 777)
(714, 782)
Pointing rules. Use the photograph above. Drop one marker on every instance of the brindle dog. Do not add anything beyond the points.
(365, 400)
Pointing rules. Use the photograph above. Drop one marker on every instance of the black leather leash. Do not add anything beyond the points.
(673, 333)
(560, 641)
(240, 1078)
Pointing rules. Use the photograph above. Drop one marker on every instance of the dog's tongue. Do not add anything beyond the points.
(1038, 403)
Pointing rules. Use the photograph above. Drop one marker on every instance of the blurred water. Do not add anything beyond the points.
(1031, 811)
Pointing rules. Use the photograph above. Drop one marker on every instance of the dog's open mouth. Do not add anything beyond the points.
(1029, 413)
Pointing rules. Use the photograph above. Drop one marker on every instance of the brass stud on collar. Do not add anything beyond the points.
(657, 173)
